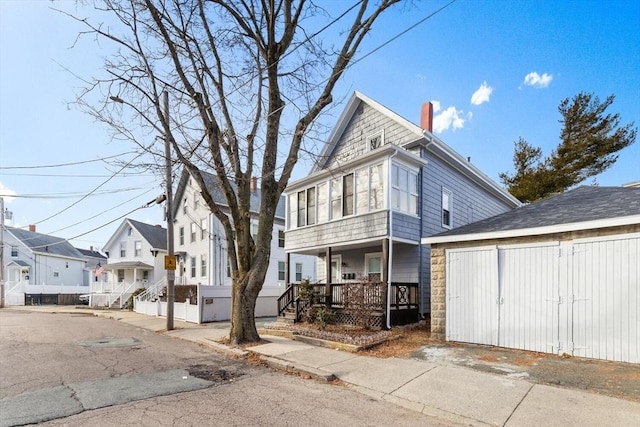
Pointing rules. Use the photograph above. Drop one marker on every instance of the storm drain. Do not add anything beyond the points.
(111, 342)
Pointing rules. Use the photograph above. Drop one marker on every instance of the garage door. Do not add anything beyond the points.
(580, 298)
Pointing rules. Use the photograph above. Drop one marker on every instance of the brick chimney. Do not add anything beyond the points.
(32, 228)
(426, 117)
(254, 185)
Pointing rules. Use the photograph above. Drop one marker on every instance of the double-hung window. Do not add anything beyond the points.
(138, 248)
(281, 268)
(298, 272)
(336, 198)
(193, 232)
(347, 195)
(203, 229)
(446, 208)
(404, 189)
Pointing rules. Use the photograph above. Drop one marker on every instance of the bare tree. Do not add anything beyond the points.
(247, 80)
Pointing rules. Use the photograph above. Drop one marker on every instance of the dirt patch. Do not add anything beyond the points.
(214, 374)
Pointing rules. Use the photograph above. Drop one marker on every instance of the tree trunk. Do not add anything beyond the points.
(243, 303)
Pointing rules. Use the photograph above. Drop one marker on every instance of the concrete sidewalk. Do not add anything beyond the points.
(453, 393)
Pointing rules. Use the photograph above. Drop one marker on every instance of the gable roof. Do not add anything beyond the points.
(45, 244)
(91, 253)
(154, 234)
(422, 137)
(582, 208)
(217, 194)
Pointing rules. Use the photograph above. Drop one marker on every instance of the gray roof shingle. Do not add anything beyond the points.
(582, 204)
(45, 244)
(154, 234)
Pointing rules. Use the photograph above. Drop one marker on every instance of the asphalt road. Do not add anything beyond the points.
(72, 369)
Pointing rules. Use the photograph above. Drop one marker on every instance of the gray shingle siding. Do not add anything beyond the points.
(367, 122)
(338, 231)
(406, 226)
(470, 202)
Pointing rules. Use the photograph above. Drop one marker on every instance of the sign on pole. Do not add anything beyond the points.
(169, 262)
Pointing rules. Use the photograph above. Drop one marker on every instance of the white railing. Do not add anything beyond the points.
(152, 292)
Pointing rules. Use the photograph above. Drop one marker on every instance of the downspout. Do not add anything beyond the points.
(420, 247)
(390, 252)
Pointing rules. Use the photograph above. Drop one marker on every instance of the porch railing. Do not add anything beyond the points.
(404, 296)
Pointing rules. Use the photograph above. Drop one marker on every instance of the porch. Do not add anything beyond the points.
(348, 299)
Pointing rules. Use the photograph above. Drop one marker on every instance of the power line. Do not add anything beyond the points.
(71, 195)
(67, 164)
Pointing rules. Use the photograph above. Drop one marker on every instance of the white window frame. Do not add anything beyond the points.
(181, 236)
(281, 238)
(14, 252)
(203, 229)
(193, 267)
(192, 236)
(374, 136)
(402, 193)
(442, 208)
(282, 271)
(298, 272)
(367, 257)
(123, 249)
(203, 265)
(338, 270)
(137, 248)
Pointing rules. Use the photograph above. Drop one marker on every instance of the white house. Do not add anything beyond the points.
(41, 269)
(135, 259)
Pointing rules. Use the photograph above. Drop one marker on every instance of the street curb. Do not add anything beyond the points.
(286, 366)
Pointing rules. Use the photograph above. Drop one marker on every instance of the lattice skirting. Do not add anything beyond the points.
(344, 317)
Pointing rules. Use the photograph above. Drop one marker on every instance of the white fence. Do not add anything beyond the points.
(214, 304)
(15, 291)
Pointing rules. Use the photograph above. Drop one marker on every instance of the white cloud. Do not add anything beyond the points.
(436, 106)
(482, 95)
(538, 81)
(449, 118)
(6, 193)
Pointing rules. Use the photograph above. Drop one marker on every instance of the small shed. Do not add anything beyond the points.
(557, 276)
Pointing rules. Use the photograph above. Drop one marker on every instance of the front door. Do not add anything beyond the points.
(336, 269)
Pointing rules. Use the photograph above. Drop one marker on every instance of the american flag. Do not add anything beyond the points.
(99, 270)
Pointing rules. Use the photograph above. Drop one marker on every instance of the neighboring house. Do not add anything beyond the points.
(380, 185)
(41, 269)
(560, 276)
(135, 255)
(94, 267)
(200, 240)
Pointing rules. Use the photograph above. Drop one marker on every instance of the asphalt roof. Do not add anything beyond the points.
(92, 254)
(217, 194)
(156, 235)
(45, 244)
(581, 204)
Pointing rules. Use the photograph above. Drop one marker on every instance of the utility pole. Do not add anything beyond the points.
(1, 252)
(171, 274)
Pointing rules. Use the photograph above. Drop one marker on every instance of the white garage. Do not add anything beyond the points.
(559, 276)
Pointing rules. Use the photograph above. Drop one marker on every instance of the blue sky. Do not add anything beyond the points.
(497, 70)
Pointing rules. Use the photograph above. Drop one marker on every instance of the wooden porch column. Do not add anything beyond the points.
(327, 289)
(287, 263)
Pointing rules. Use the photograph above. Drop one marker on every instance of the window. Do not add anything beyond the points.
(336, 198)
(195, 200)
(362, 191)
(123, 249)
(293, 210)
(130, 231)
(302, 208)
(373, 266)
(120, 276)
(193, 232)
(145, 275)
(311, 206)
(254, 231)
(281, 238)
(14, 251)
(280, 270)
(138, 248)
(203, 265)
(193, 266)
(376, 141)
(203, 229)
(446, 208)
(185, 205)
(347, 196)
(181, 236)
(228, 268)
(306, 207)
(56, 274)
(298, 272)
(376, 192)
(404, 185)
(323, 211)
